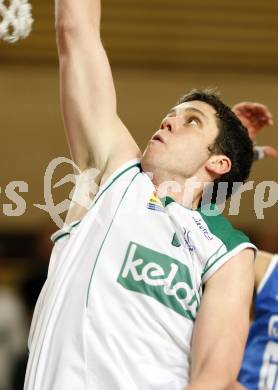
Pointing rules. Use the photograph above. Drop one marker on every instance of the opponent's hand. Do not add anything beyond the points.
(256, 116)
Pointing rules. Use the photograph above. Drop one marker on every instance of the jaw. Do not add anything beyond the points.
(160, 163)
(153, 160)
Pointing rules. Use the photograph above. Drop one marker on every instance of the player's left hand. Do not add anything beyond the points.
(255, 116)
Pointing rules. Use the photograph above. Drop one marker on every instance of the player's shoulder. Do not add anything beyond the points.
(222, 228)
(227, 242)
(117, 170)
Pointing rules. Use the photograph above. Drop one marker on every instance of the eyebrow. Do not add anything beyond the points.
(173, 110)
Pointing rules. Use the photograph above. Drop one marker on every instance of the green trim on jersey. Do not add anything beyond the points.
(61, 236)
(112, 182)
(208, 266)
(176, 241)
(167, 200)
(218, 225)
(106, 234)
(222, 229)
(64, 233)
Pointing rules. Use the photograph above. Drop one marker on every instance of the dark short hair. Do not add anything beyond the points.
(232, 140)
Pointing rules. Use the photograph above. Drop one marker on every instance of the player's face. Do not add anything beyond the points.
(180, 146)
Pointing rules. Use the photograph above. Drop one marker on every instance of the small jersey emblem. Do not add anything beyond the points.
(187, 240)
(155, 204)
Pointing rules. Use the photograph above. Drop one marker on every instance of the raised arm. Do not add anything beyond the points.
(96, 135)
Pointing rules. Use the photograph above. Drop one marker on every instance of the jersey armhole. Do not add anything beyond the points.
(67, 228)
(219, 262)
(268, 272)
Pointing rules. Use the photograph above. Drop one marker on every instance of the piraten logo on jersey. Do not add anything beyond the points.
(187, 240)
(161, 277)
(154, 203)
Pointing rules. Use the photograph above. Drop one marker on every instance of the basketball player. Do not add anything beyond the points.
(142, 292)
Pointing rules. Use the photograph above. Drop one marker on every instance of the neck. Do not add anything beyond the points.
(184, 190)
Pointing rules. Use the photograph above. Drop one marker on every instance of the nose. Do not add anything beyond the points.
(167, 124)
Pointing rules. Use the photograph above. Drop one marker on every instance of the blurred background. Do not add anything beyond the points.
(159, 50)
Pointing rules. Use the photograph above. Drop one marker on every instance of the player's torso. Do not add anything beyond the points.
(118, 308)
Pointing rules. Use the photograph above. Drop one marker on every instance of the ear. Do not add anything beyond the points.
(218, 165)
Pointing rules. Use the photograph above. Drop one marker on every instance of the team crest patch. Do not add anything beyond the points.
(154, 203)
(161, 277)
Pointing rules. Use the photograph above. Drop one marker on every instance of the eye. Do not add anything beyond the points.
(193, 121)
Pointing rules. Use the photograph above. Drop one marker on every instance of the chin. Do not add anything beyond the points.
(151, 160)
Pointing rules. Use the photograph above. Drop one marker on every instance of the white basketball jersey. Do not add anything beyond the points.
(123, 289)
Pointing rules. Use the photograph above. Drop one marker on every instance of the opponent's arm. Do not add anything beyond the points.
(96, 135)
(222, 325)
